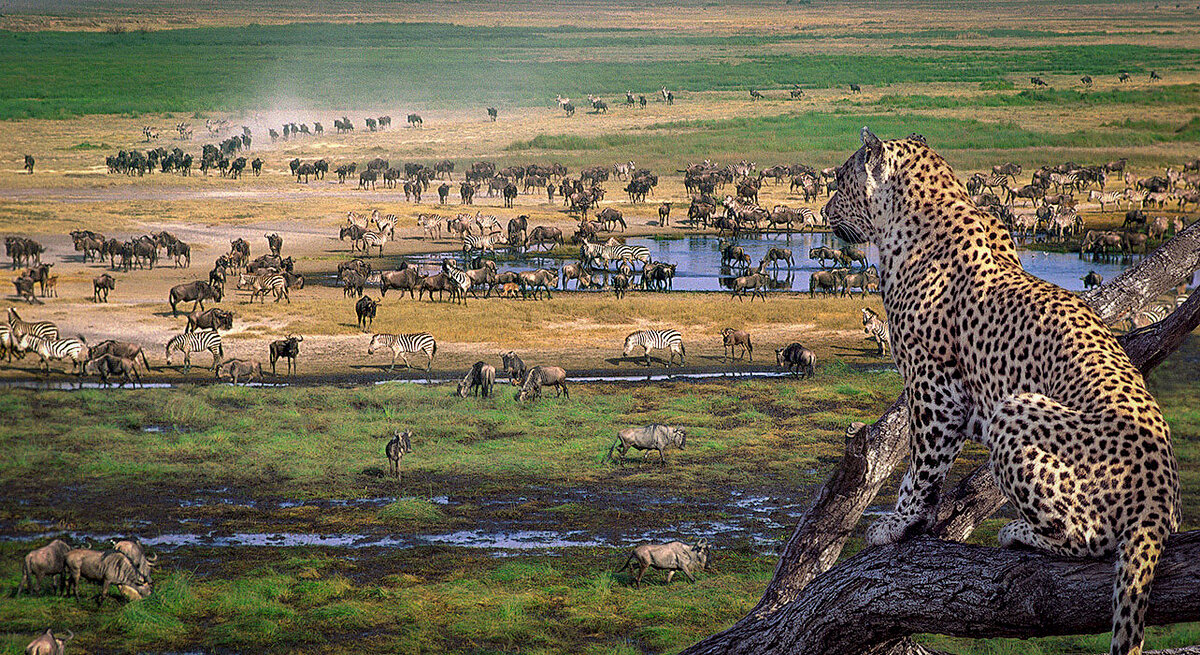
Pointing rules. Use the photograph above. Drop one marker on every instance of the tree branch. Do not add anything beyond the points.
(928, 586)
(873, 452)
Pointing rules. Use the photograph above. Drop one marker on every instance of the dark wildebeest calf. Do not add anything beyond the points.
(478, 380)
(288, 349)
(395, 450)
(797, 359)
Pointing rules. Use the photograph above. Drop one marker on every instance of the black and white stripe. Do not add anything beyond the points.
(488, 224)
(20, 328)
(275, 283)
(486, 243)
(195, 342)
(616, 252)
(54, 349)
(656, 340)
(372, 240)
(878, 330)
(386, 223)
(402, 345)
(462, 283)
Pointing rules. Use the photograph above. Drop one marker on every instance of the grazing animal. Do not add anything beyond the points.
(669, 557)
(209, 319)
(492, 113)
(732, 338)
(543, 376)
(991, 352)
(106, 568)
(651, 437)
(49, 560)
(122, 349)
(288, 349)
(47, 644)
(656, 340)
(54, 350)
(235, 370)
(274, 242)
(877, 329)
(365, 309)
(797, 359)
(194, 342)
(1092, 280)
(664, 214)
(196, 292)
(101, 285)
(29, 164)
(396, 449)
(479, 379)
(107, 366)
(510, 363)
(776, 255)
(402, 345)
(414, 120)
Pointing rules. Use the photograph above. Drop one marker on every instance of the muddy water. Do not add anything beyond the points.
(698, 261)
(758, 520)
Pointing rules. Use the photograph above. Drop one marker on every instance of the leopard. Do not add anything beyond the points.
(993, 354)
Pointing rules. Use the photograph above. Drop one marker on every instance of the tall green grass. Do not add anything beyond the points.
(332, 66)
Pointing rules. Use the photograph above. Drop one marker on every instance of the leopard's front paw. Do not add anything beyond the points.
(893, 528)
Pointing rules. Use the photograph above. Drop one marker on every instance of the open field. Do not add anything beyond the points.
(279, 528)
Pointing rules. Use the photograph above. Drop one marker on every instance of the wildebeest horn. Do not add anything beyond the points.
(702, 543)
(70, 633)
(152, 560)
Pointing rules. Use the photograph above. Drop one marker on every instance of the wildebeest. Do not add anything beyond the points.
(512, 364)
(651, 437)
(406, 279)
(29, 164)
(478, 380)
(365, 309)
(414, 120)
(664, 214)
(1037, 81)
(236, 370)
(136, 552)
(492, 113)
(732, 338)
(101, 285)
(49, 560)
(48, 644)
(209, 319)
(288, 349)
(274, 242)
(106, 568)
(823, 281)
(197, 292)
(107, 366)
(670, 557)
(123, 349)
(543, 376)
(547, 235)
(400, 444)
(796, 358)
(854, 88)
(1092, 280)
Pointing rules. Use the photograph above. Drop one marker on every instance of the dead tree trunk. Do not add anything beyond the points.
(874, 451)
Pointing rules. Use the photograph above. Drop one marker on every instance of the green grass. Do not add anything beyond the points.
(824, 138)
(58, 74)
(1185, 94)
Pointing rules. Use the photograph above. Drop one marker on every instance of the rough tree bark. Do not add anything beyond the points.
(873, 452)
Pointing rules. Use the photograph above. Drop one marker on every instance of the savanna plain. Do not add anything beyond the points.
(276, 521)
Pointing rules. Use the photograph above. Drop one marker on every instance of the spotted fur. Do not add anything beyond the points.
(989, 352)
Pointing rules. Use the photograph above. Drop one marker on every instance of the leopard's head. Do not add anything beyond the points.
(866, 187)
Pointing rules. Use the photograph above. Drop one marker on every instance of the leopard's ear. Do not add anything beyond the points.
(919, 138)
(872, 142)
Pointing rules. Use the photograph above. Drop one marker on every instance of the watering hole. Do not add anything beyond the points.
(699, 268)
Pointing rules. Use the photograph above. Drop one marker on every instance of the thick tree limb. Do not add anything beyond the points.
(875, 451)
(926, 585)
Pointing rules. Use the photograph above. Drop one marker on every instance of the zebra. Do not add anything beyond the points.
(609, 252)
(56, 349)
(485, 243)
(370, 240)
(357, 220)
(195, 342)
(656, 339)
(877, 329)
(403, 344)
(275, 283)
(385, 223)
(19, 328)
(462, 283)
(488, 224)
(994, 181)
(1109, 198)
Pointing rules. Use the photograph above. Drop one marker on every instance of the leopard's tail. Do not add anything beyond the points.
(1137, 556)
